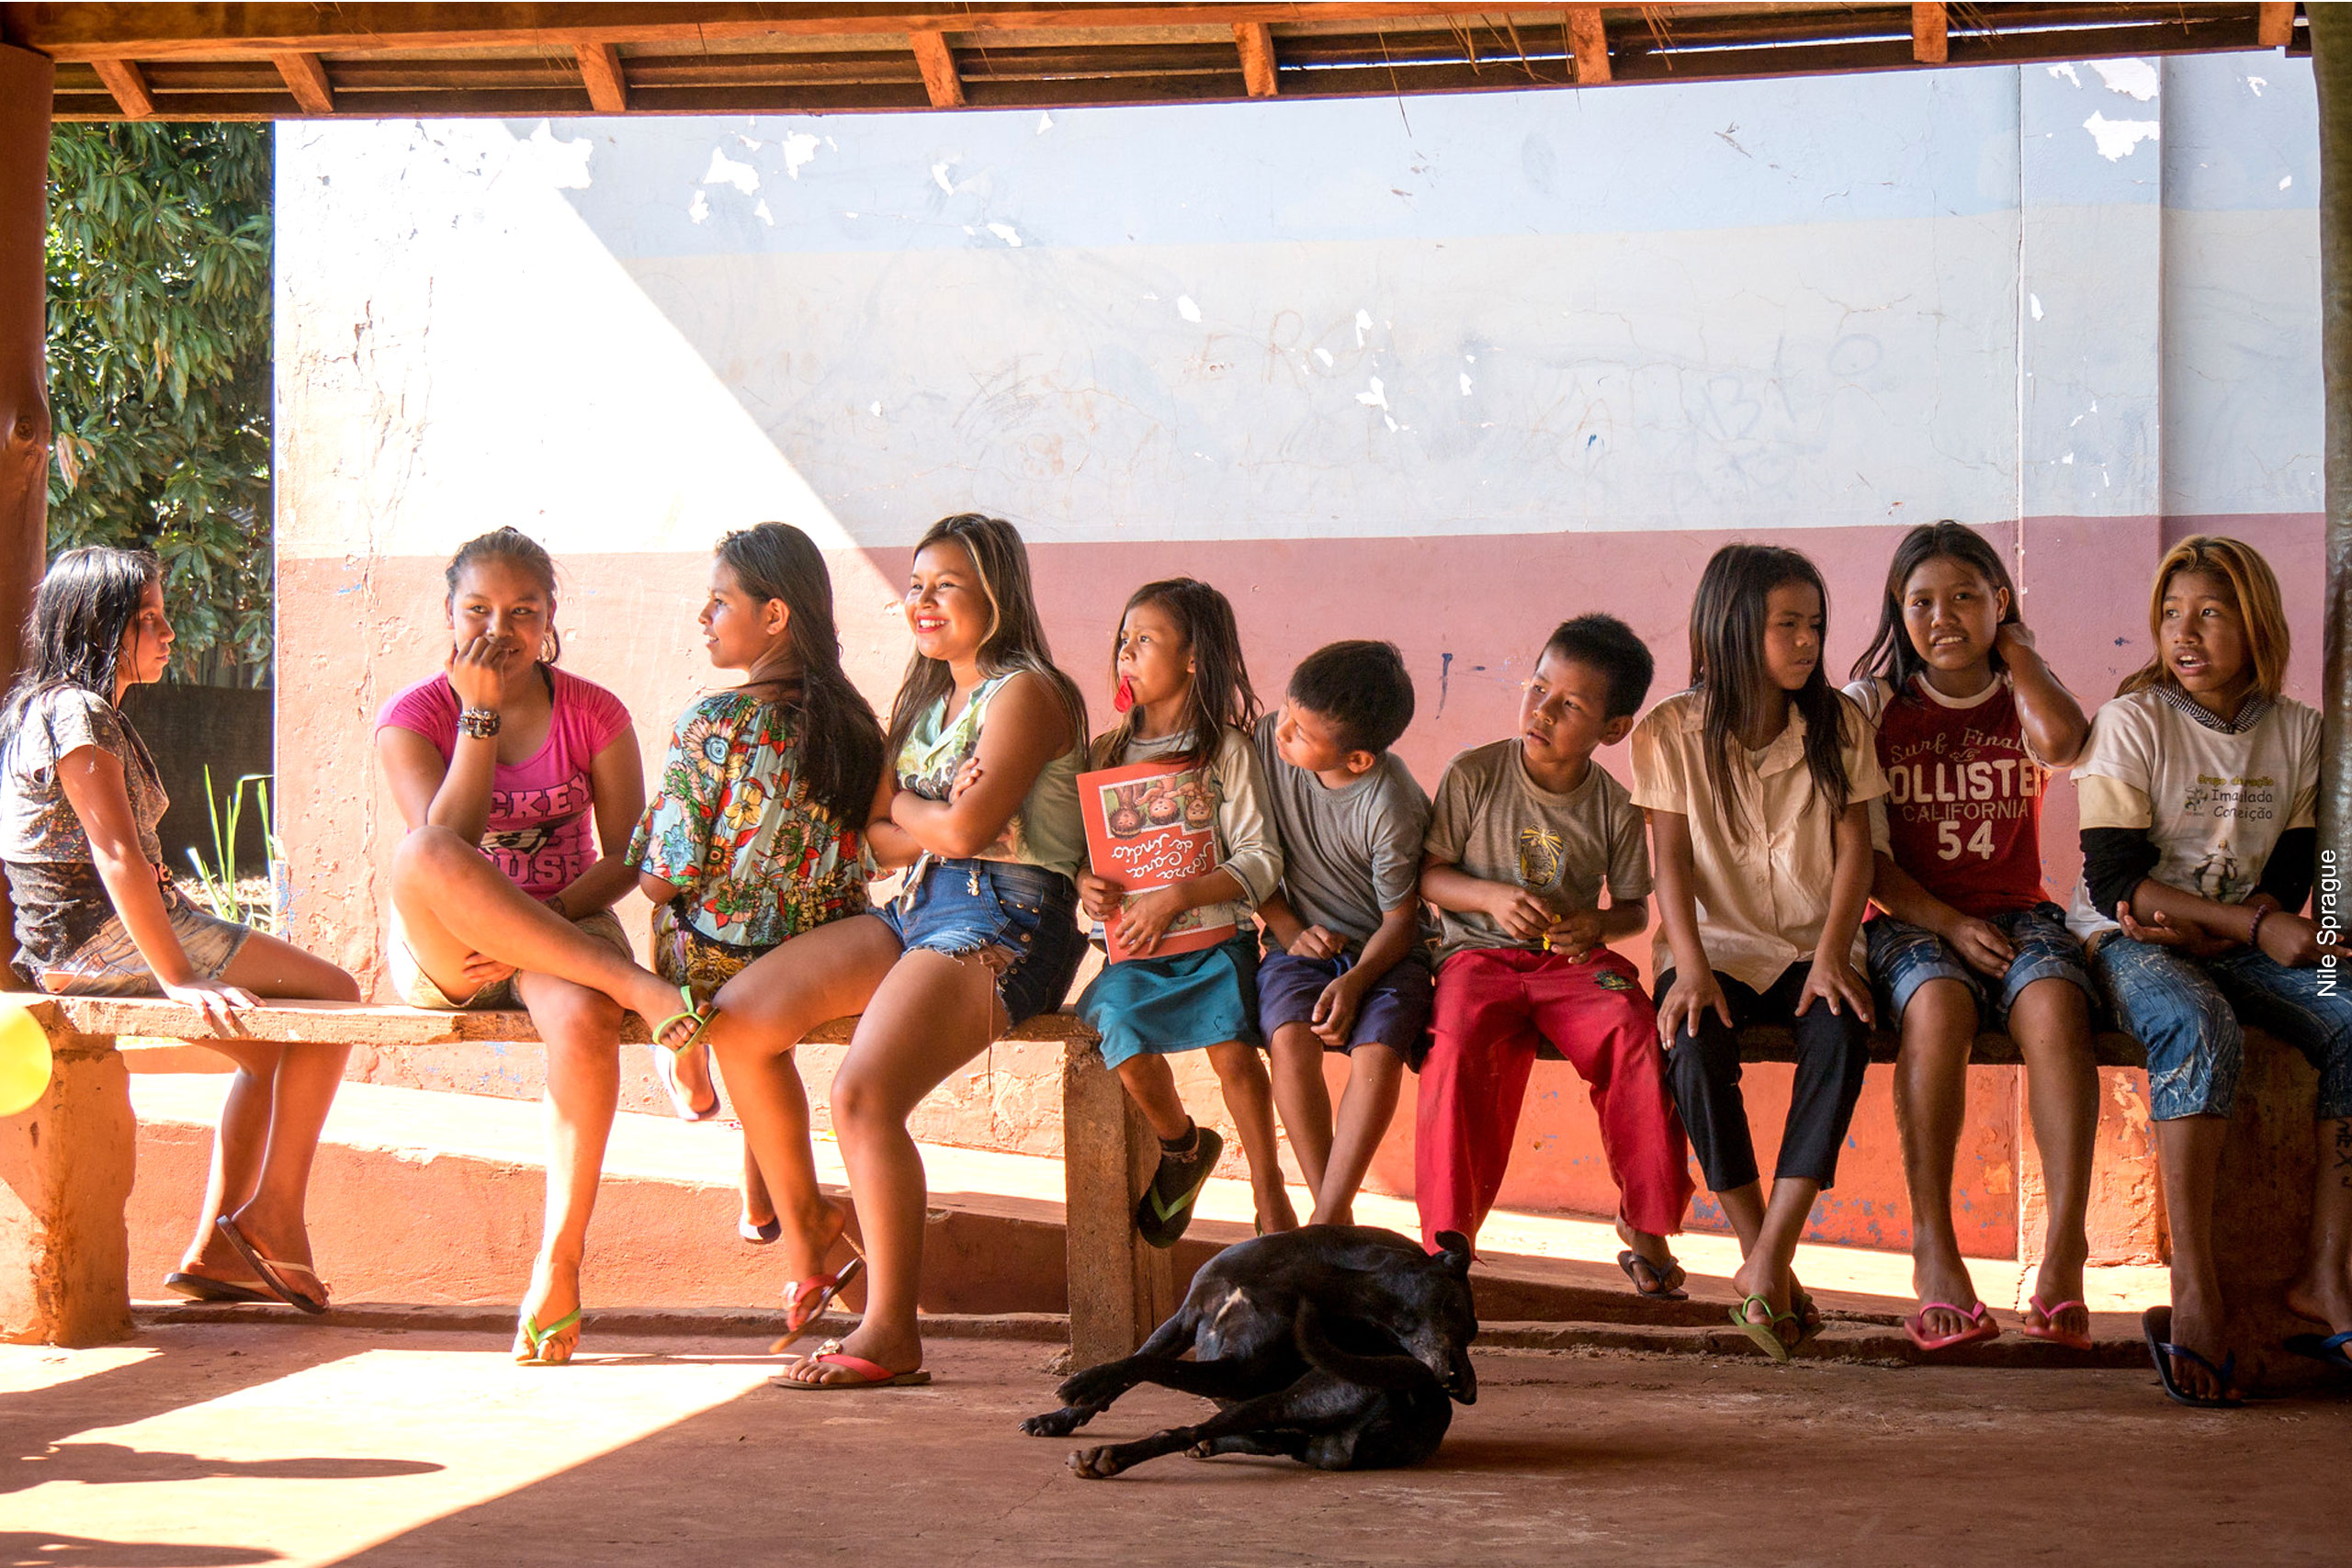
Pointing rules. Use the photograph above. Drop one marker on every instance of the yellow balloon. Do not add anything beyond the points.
(24, 1061)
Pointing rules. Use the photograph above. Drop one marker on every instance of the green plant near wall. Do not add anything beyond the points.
(159, 261)
(219, 881)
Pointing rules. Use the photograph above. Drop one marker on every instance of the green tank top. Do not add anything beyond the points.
(1046, 830)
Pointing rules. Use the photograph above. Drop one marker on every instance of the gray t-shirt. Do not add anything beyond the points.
(1349, 854)
(60, 903)
(1495, 823)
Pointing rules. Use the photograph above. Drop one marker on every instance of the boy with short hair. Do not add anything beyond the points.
(1343, 969)
(1525, 834)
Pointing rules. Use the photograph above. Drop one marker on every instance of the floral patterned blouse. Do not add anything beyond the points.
(731, 825)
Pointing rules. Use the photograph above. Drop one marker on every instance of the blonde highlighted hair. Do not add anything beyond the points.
(2252, 584)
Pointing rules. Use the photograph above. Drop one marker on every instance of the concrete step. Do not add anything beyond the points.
(431, 1199)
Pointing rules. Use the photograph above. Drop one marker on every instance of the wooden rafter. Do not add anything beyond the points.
(2274, 24)
(305, 78)
(600, 70)
(940, 78)
(1930, 35)
(1588, 40)
(1256, 42)
(128, 85)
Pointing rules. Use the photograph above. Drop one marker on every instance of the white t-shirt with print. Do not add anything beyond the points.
(2213, 805)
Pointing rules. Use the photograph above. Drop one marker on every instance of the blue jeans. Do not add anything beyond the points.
(1904, 957)
(1023, 915)
(2190, 1013)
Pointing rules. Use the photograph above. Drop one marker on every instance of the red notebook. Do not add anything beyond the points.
(1148, 825)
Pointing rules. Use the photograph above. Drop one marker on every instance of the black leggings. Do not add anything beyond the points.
(1702, 1066)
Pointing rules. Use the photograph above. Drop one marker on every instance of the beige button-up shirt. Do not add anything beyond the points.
(1763, 889)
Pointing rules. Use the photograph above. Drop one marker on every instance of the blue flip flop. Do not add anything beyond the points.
(2329, 1348)
(2155, 1327)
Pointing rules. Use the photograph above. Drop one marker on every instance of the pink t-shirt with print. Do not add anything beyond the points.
(541, 829)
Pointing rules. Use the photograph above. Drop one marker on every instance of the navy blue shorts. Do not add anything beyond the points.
(1904, 957)
(964, 906)
(1396, 1011)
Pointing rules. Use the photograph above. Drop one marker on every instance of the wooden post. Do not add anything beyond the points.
(1588, 41)
(26, 83)
(65, 1171)
(1256, 42)
(1120, 1288)
(939, 79)
(2332, 68)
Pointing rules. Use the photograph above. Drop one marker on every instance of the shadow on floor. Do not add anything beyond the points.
(34, 1549)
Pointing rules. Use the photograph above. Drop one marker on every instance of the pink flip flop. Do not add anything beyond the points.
(869, 1375)
(1981, 1326)
(2050, 1331)
(810, 1299)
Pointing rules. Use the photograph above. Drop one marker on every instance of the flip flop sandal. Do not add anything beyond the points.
(760, 1235)
(2048, 1328)
(2328, 1347)
(538, 1338)
(1981, 1326)
(2155, 1327)
(205, 1287)
(1766, 1334)
(870, 1374)
(1810, 1321)
(810, 1299)
(1662, 1284)
(665, 1057)
(1166, 1207)
(275, 1274)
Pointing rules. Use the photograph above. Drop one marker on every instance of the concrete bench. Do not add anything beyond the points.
(66, 1164)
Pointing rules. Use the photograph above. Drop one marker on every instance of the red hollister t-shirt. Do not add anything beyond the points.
(1963, 807)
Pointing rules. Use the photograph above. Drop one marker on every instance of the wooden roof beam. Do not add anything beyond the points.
(939, 75)
(1256, 42)
(1589, 41)
(305, 78)
(2274, 24)
(600, 69)
(1930, 35)
(128, 85)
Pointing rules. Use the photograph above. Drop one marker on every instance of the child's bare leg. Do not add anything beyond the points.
(453, 902)
(2052, 1024)
(1765, 1270)
(1303, 1098)
(1653, 1249)
(1376, 1076)
(1930, 1100)
(582, 1031)
(1151, 1084)
(238, 1140)
(2323, 1291)
(2188, 1152)
(751, 1188)
(762, 1013)
(1249, 1101)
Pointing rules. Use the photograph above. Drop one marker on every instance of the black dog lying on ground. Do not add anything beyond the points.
(1339, 1346)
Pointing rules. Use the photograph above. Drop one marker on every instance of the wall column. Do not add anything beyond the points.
(2331, 70)
(27, 81)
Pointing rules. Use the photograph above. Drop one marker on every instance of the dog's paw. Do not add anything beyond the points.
(1094, 1464)
(1055, 1423)
(1203, 1449)
(1094, 1388)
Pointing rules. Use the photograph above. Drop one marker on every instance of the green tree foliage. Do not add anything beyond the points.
(159, 370)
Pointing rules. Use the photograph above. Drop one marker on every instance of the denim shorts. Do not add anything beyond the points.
(1904, 957)
(963, 907)
(2191, 1015)
(110, 965)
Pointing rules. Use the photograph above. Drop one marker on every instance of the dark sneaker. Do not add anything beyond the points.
(1166, 1206)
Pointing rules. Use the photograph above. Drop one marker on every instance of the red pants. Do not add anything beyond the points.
(1496, 1008)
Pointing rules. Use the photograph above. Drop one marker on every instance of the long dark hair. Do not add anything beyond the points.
(1890, 654)
(1736, 692)
(1221, 693)
(516, 548)
(1016, 638)
(841, 740)
(86, 603)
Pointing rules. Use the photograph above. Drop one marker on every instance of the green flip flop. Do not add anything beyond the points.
(1766, 1334)
(537, 1338)
(691, 1012)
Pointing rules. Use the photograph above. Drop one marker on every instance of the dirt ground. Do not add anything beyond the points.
(218, 1444)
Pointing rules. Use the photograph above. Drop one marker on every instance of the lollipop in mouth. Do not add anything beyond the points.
(1124, 697)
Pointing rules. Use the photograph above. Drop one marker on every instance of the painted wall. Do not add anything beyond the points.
(1444, 370)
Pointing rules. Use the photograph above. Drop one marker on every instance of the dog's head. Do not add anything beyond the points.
(1443, 1321)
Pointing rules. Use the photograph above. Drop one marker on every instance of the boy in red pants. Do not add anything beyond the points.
(1524, 836)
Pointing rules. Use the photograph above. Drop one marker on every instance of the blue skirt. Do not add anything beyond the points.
(1189, 1001)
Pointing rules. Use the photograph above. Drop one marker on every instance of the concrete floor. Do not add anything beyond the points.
(211, 1444)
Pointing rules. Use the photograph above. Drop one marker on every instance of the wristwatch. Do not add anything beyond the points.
(479, 722)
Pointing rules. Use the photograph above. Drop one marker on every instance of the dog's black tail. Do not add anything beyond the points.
(1399, 1374)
